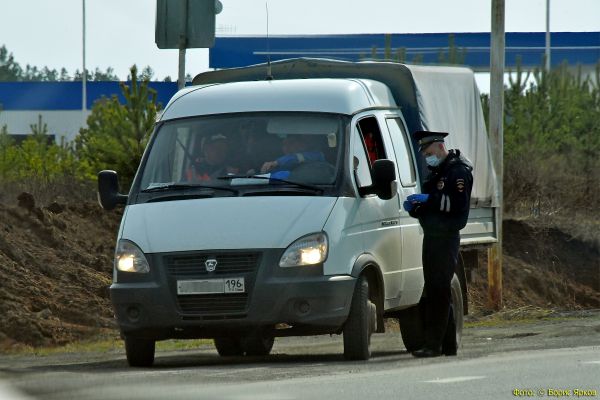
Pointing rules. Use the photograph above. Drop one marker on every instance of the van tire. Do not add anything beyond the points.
(411, 327)
(411, 323)
(257, 345)
(457, 307)
(140, 352)
(361, 323)
(228, 347)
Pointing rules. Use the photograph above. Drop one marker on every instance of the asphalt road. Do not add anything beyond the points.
(559, 357)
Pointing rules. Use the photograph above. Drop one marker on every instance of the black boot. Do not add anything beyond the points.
(426, 352)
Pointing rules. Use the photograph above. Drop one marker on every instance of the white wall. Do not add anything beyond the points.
(60, 123)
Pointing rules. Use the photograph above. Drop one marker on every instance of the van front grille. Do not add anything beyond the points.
(190, 265)
(213, 304)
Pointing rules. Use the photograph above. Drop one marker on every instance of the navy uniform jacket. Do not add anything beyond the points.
(449, 188)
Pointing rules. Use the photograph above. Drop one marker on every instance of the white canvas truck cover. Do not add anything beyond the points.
(431, 98)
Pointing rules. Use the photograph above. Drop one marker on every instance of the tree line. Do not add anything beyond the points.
(12, 71)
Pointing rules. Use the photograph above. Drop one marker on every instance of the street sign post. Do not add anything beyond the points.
(183, 24)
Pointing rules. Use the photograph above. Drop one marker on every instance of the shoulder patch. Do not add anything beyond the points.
(460, 185)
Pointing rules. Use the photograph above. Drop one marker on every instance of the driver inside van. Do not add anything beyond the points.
(295, 151)
(213, 161)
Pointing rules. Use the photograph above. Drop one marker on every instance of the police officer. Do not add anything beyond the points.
(442, 210)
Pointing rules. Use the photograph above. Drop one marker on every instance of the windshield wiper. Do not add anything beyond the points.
(267, 178)
(183, 186)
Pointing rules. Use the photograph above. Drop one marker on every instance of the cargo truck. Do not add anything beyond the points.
(268, 204)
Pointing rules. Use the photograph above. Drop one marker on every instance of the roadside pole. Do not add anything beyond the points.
(497, 141)
(547, 35)
(182, 47)
(84, 73)
(181, 74)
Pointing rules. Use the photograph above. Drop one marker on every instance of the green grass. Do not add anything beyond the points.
(108, 345)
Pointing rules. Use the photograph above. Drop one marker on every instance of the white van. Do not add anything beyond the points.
(272, 207)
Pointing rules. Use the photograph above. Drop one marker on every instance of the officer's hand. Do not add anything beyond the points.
(418, 198)
(408, 206)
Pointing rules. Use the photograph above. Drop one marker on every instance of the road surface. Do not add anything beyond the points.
(559, 357)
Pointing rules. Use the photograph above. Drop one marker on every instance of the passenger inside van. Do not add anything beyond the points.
(297, 149)
(213, 161)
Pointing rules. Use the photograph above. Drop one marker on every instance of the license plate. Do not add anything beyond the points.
(211, 286)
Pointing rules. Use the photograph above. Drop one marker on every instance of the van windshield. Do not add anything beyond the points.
(246, 149)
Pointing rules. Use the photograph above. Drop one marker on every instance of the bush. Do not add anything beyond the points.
(552, 142)
(117, 134)
(44, 169)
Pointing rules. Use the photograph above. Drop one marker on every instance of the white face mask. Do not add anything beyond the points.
(432, 161)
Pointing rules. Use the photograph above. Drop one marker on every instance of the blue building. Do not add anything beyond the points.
(60, 103)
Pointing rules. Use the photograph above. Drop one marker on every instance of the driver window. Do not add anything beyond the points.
(362, 173)
(371, 136)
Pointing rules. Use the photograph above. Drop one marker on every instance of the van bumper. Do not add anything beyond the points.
(301, 298)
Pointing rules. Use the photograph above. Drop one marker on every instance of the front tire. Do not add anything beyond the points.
(140, 352)
(257, 345)
(361, 323)
(228, 347)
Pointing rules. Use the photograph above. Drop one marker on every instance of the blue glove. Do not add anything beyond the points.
(408, 206)
(280, 175)
(418, 198)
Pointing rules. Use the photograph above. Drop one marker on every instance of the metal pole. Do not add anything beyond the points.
(548, 35)
(182, 47)
(84, 73)
(181, 76)
(497, 141)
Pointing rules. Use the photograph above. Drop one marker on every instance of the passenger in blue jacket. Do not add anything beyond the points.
(442, 210)
(295, 151)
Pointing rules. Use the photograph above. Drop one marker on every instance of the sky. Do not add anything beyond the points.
(120, 33)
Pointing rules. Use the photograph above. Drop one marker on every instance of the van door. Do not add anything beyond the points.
(411, 231)
(379, 218)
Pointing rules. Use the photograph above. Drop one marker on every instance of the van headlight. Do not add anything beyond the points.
(308, 250)
(129, 258)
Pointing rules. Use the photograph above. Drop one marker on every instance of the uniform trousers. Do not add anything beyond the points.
(440, 257)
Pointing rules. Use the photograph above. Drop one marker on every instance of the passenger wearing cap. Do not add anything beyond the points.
(442, 210)
(213, 161)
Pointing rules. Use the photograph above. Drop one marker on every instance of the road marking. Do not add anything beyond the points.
(590, 362)
(456, 379)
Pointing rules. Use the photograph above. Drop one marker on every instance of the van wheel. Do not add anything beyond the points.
(361, 323)
(140, 352)
(228, 347)
(413, 331)
(457, 306)
(411, 327)
(257, 345)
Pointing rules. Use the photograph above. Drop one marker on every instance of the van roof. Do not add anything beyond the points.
(340, 96)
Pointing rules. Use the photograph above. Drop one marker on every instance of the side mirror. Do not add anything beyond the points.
(384, 179)
(108, 190)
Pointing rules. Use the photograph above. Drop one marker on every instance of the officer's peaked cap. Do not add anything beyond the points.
(425, 138)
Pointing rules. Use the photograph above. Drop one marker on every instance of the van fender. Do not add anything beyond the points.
(366, 265)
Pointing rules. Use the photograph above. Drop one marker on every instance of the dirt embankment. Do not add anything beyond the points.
(55, 268)
(543, 267)
(56, 265)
